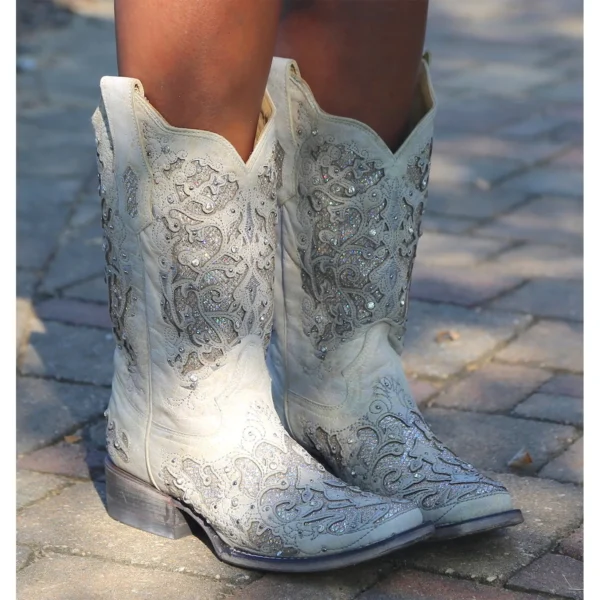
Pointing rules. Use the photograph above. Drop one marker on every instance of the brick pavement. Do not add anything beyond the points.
(500, 264)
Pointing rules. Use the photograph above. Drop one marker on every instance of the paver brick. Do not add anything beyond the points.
(525, 152)
(70, 353)
(493, 388)
(74, 312)
(547, 407)
(416, 585)
(554, 298)
(568, 466)
(548, 181)
(47, 410)
(448, 250)
(551, 511)
(94, 290)
(564, 385)
(79, 258)
(343, 584)
(24, 555)
(552, 574)
(491, 441)
(573, 545)
(479, 333)
(545, 220)
(544, 261)
(548, 344)
(473, 203)
(467, 286)
(77, 521)
(35, 486)
(58, 577)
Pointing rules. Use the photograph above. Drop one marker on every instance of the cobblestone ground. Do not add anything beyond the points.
(495, 335)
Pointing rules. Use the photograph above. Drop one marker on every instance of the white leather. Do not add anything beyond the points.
(190, 243)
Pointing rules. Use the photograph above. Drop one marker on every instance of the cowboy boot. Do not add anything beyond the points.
(192, 434)
(350, 221)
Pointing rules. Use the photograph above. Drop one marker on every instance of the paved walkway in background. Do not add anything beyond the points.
(494, 344)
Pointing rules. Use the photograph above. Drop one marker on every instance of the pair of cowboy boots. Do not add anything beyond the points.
(259, 310)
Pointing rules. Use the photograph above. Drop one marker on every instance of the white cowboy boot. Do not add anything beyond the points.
(351, 217)
(189, 245)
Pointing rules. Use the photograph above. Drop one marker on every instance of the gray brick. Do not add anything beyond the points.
(47, 410)
(77, 520)
(94, 290)
(505, 78)
(343, 584)
(493, 388)
(71, 353)
(533, 126)
(573, 159)
(446, 224)
(24, 555)
(57, 577)
(573, 545)
(568, 466)
(564, 385)
(491, 441)
(26, 281)
(492, 146)
(464, 285)
(79, 258)
(551, 511)
(558, 298)
(536, 260)
(415, 585)
(552, 574)
(32, 487)
(548, 344)
(74, 312)
(560, 409)
(481, 171)
(545, 220)
(468, 202)
(42, 209)
(548, 181)
(444, 249)
(480, 332)
(482, 116)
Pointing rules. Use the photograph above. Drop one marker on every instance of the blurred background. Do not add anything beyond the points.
(494, 347)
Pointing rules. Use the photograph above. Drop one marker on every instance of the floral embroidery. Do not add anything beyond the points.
(393, 452)
(216, 247)
(269, 496)
(359, 232)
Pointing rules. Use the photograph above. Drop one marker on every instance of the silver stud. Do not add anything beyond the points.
(373, 232)
(351, 189)
(370, 305)
(315, 131)
(195, 262)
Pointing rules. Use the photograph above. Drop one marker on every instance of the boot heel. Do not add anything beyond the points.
(135, 503)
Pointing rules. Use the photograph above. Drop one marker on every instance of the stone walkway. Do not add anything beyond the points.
(495, 333)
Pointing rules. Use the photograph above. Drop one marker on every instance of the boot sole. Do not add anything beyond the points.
(137, 504)
(479, 525)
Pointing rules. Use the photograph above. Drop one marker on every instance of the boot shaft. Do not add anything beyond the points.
(189, 247)
(351, 220)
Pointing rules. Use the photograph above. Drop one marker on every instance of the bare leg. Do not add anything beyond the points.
(360, 57)
(203, 63)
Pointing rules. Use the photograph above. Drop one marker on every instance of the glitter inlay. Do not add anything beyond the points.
(359, 228)
(393, 452)
(216, 248)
